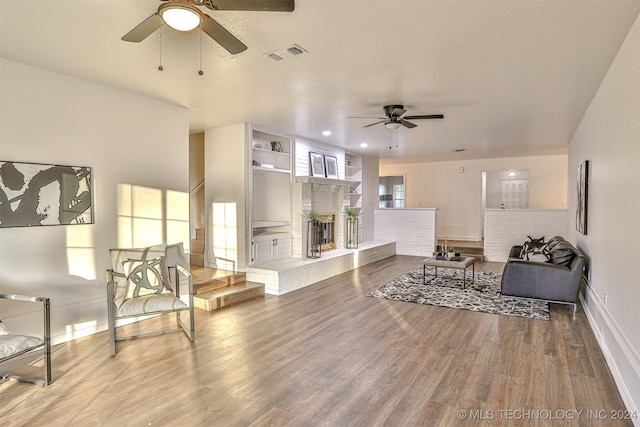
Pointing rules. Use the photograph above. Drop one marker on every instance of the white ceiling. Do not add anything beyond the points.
(513, 78)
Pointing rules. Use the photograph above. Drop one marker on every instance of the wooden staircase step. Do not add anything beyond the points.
(213, 299)
(206, 274)
(196, 260)
(200, 232)
(220, 282)
(197, 246)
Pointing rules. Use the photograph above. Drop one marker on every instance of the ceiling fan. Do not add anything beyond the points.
(184, 15)
(394, 119)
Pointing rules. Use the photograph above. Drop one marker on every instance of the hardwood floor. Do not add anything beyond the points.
(329, 355)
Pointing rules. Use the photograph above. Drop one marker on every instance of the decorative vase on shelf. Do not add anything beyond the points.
(352, 232)
(314, 239)
(314, 233)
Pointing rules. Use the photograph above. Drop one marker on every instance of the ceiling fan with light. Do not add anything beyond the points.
(393, 117)
(184, 15)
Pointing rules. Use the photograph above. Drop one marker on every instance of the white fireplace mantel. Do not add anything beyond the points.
(323, 181)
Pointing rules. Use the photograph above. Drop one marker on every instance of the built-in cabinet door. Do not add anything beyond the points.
(282, 247)
(262, 249)
(271, 246)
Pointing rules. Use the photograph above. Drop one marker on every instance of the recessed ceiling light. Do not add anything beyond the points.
(326, 133)
(364, 145)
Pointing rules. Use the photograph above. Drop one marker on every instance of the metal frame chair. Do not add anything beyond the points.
(114, 315)
(23, 344)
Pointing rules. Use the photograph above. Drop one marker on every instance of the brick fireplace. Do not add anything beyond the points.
(330, 199)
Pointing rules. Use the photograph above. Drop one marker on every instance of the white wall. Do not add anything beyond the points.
(458, 196)
(125, 139)
(609, 137)
(370, 167)
(226, 169)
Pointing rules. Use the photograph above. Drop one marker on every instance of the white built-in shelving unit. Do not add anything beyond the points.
(353, 174)
(270, 195)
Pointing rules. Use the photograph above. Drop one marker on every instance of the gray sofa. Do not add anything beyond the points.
(557, 280)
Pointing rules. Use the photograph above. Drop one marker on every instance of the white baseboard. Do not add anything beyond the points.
(604, 325)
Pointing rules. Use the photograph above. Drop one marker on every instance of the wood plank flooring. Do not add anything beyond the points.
(328, 355)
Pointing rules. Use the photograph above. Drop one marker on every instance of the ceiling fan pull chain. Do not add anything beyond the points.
(160, 66)
(200, 72)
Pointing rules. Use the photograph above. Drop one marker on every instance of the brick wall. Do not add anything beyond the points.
(504, 228)
(413, 230)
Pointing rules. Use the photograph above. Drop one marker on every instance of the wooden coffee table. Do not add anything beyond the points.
(463, 264)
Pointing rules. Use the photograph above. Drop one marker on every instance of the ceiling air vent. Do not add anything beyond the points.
(290, 52)
(295, 50)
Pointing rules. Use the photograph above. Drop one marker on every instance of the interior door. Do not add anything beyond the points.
(515, 194)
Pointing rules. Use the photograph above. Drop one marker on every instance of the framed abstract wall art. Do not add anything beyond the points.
(331, 166)
(316, 165)
(33, 194)
(582, 193)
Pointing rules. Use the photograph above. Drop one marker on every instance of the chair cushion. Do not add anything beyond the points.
(3, 329)
(120, 255)
(144, 277)
(12, 344)
(150, 304)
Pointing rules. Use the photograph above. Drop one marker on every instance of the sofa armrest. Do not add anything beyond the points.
(515, 251)
(531, 279)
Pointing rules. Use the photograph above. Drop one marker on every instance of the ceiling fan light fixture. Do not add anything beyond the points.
(180, 16)
(393, 125)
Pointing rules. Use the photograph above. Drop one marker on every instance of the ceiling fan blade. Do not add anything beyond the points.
(428, 116)
(221, 35)
(144, 29)
(397, 112)
(366, 117)
(258, 5)
(382, 121)
(407, 124)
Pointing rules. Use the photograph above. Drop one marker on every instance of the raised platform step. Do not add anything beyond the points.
(465, 247)
(281, 277)
(212, 299)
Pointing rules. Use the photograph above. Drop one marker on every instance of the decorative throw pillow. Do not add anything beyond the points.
(538, 254)
(562, 253)
(531, 245)
(3, 329)
(144, 277)
(553, 242)
(120, 255)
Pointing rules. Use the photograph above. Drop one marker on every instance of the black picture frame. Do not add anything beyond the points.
(40, 194)
(582, 197)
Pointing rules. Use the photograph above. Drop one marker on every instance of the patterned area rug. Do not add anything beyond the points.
(446, 291)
